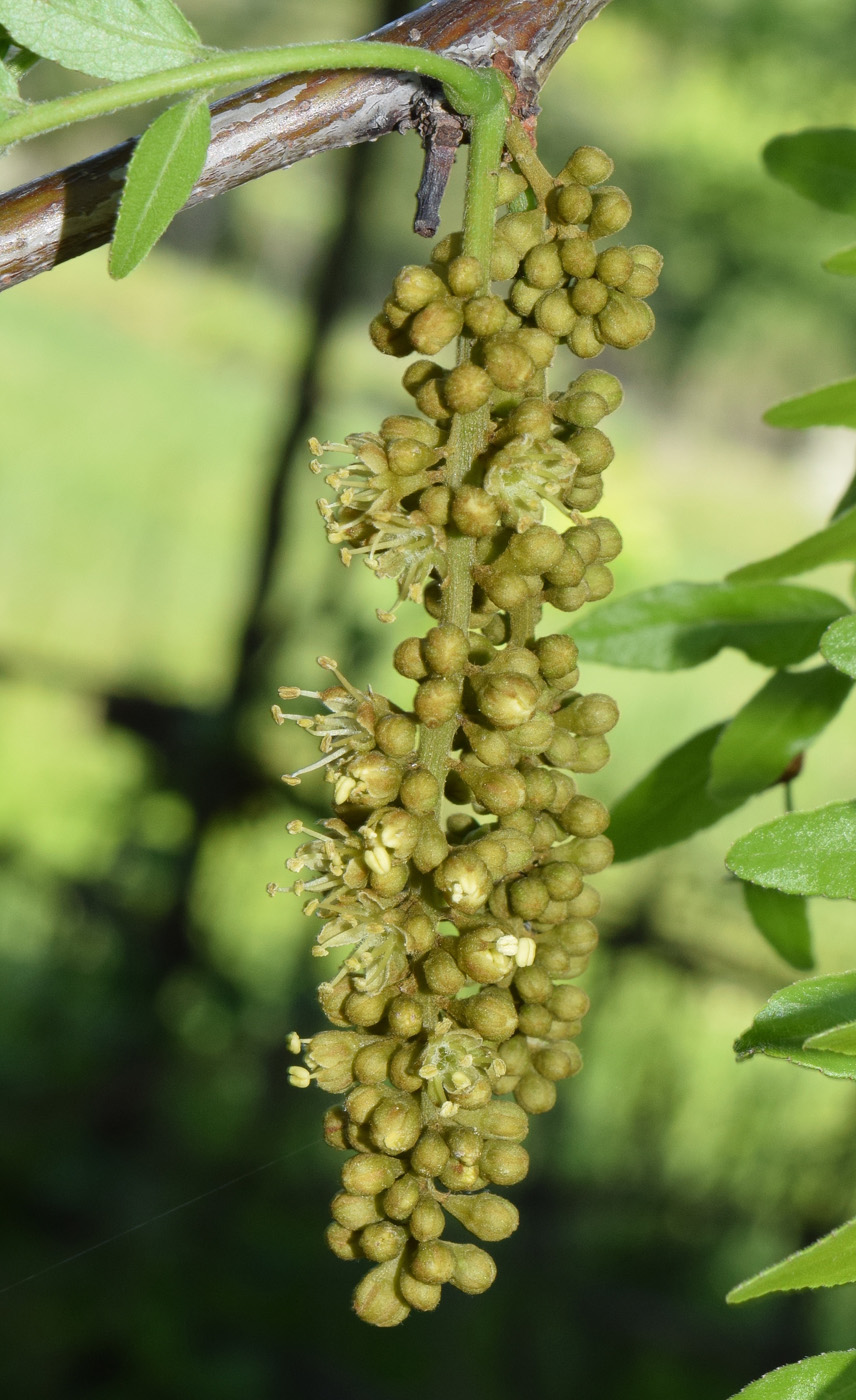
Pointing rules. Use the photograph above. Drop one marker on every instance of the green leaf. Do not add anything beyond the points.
(847, 500)
(828, 1262)
(810, 1024)
(683, 624)
(671, 802)
(811, 853)
(832, 545)
(165, 166)
(105, 38)
(779, 722)
(838, 645)
(843, 263)
(831, 1376)
(832, 406)
(783, 921)
(819, 163)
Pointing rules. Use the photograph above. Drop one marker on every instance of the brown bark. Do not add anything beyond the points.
(286, 119)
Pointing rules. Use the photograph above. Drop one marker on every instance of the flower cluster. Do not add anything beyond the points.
(455, 874)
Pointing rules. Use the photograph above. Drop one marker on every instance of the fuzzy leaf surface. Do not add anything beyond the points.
(843, 263)
(810, 853)
(811, 1023)
(671, 802)
(683, 624)
(828, 1262)
(781, 720)
(831, 1376)
(166, 164)
(832, 545)
(819, 163)
(838, 645)
(783, 920)
(831, 406)
(105, 38)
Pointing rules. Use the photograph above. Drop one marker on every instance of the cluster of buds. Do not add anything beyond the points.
(454, 874)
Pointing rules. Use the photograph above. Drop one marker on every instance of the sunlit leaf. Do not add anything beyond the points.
(781, 720)
(683, 624)
(810, 853)
(831, 545)
(810, 1024)
(165, 166)
(819, 163)
(828, 1377)
(826, 1263)
(844, 263)
(838, 645)
(832, 406)
(671, 802)
(105, 38)
(848, 499)
(783, 921)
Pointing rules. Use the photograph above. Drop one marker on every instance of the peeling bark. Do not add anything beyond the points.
(287, 119)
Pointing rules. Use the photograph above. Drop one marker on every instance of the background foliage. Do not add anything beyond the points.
(162, 568)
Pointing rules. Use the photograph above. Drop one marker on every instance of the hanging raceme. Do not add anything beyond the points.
(456, 867)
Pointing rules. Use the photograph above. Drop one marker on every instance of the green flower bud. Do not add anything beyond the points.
(430, 400)
(354, 1212)
(610, 539)
(474, 512)
(556, 654)
(568, 572)
(485, 316)
(562, 878)
(467, 388)
(486, 1216)
(372, 1062)
(532, 985)
(591, 714)
(555, 315)
(332, 997)
(646, 256)
(555, 1064)
(383, 1241)
(519, 851)
(492, 1014)
(505, 590)
(388, 883)
(409, 457)
(362, 1102)
(415, 287)
(431, 848)
(582, 409)
(589, 296)
(465, 881)
(362, 1009)
(419, 933)
(376, 1297)
(330, 1055)
(478, 956)
(435, 326)
(593, 854)
(539, 346)
(570, 205)
(430, 1154)
(491, 747)
(465, 276)
(459, 1176)
(625, 321)
(522, 231)
(577, 936)
(611, 211)
(504, 1163)
(404, 1017)
(345, 1244)
(445, 650)
(395, 315)
(425, 1297)
(504, 260)
(584, 816)
(599, 381)
(387, 339)
(593, 448)
(396, 1124)
(508, 700)
(535, 1094)
(402, 1198)
(578, 256)
(569, 1003)
(588, 165)
(589, 754)
(368, 1174)
(442, 975)
(584, 339)
(542, 267)
(419, 791)
(507, 362)
(465, 1144)
(534, 551)
(499, 790)
(523, 298)
(528, 897)
(600, 581)
(378, 779)
(427, 1221)
(475, 1271)
(533, 417)
(540, 783)
(434, 504)
(534, 1018)
(615, 266)
(419, 374)
(568, 598)
(396, 735)
(407, 659)
(521, 822)
(404, 1069)
(432, 1262)
(448, 248)
(335, 1125)
(642, 282)
(400, 425)
(509, 185)
(437, 700)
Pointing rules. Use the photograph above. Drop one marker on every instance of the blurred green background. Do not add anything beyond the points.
(163, 569)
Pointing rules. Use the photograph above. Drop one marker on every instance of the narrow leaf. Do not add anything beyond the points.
(832, 545)
(810, 853)
(847, 500)
(831, 1376)
(165, 166)
(783, 921)
(683, 624)
(105, 38)
(819, 163)
(828, 1262)
(671, 802)
(843, 263)
(832, 406)
(779, 722)
(838, 645)
(798, 1022)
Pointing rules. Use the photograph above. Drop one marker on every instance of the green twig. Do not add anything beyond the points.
(518, 143)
